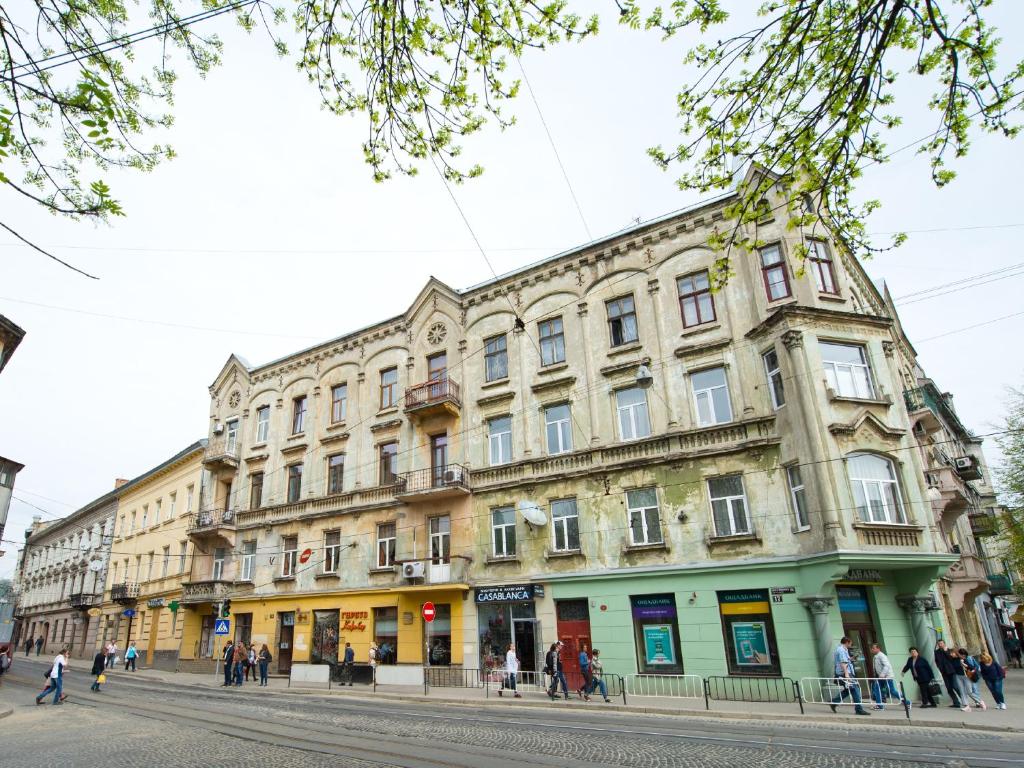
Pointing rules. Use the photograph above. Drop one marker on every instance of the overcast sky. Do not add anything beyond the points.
(268, 233)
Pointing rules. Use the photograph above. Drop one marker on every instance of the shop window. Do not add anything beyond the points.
(749, 633)
(243, 628)
(439, 637)
(499, 624)
(325, 638)
(657, 635)
(385, 634)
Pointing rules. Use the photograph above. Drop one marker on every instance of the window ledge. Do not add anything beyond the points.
(496, 383)
(327, 576)
(837, 398)
(776, 303)
(876, 526)
(296, 436)
(498, 560)
(738, 538)
(694, 329)
(284, 578)
(837, 298)
(389, 410)
(243, 582)
(801, 529)
(553, 368)
(630, 549)
(625, 349)
(552, 555)
(255, 446)
(294, 447)
(387, 569)
(335, 425)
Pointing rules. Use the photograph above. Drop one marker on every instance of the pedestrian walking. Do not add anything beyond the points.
(5, 661)
(226, 656)
(958, 678)
(55, 679)
(39, 644)
(921, 671)
(99, 666)
(28, 646)
(884, 686)
(597, 675)
(584, 690)
(238, 660)
(993, 675)
(129, 656)
(111, 654)
(250, 663)
(554, 667)
(972, 673)
(846, 677)
(348, 664)
(1012, 645)
(264, 660)
(508, 680)
(948, 669)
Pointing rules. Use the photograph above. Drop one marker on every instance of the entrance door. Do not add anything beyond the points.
(206, 638)
(438, 458)
(440, 549)
(154, 628)
(284, 642)
(526, 636)
(573, 624)
(858, 625)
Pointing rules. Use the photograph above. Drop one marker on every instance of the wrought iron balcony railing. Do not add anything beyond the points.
(434, 481)
(124, 593)
(442, 391)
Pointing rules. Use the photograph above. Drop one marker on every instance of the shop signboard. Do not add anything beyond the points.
(513, 593)
(659, 647)
(654, 607)
(750, 641)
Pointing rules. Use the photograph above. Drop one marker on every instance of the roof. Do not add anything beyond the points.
(12, 335)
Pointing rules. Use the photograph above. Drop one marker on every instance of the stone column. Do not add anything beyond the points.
(916, 607)
(819, 606)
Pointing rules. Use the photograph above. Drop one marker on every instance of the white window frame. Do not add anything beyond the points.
(300, 409)
(219, 556)
(634, 419)
(248, 560)
(501, 530)
(730, 502)
(290, 551)
(561, 523)
(708, 394)
(552, 341)
(563, 429)
(166, 564)
(262, 423)
(339, 418)
(777, 394)
(387, 561)
(798, 497)
(497, 442)
(157, 509)
(858, 374)
(182, 556)
(332, 552)
(865, 485)
(231, 436)
(172, 505)
(191, 493)
(641, 510)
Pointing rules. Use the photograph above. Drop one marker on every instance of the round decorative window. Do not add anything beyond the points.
(235, 399)
(436, 333)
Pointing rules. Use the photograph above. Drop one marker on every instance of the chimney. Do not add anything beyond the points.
(118, 482)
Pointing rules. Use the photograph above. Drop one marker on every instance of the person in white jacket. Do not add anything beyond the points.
(885, 675)
(511, 671)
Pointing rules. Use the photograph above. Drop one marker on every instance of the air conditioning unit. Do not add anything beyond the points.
(453, 475)
(963, 462)
(218, 428)
(414, 570)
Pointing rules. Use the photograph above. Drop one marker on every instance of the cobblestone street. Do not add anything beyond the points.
(136, 722)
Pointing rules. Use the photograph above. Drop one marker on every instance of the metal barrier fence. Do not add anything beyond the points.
(497, 680)
(838, 692)
(674, 686)
(779, 690)
(453, 677)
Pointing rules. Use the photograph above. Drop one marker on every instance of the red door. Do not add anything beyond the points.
(573, 626)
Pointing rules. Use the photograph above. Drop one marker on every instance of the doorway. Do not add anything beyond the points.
(154, 629)
(859, 626)
(526, 636)
(285, 637)
(206, 637)
(573, 625)
(440, 549)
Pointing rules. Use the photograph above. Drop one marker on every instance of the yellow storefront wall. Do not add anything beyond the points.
(266, 621)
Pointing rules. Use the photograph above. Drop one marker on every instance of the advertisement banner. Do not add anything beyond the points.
(750, 641)
(659, 647)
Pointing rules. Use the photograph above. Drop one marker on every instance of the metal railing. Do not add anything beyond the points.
(430, 392)
(124, 593)
(778, 690)
(213, 518)
(853, 692)
(673, 686)
(81, 601)
(206, 591)
(453, 677)
(445, 476)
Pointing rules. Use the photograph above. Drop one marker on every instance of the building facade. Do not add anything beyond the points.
(151, 559)
(600, 448)
(10, 337)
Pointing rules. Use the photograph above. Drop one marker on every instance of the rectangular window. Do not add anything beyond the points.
(644, 518)
(821, 266)
(190, 493)
(558, 428)
(231, 437)
(385, 634)
(876, 491)
(656, 634)
(339, 402)
(262, 423)
(325, 638)
(131, 528)
(622, 326)
(729, 505)
(332, 551)
(386, 542)
(388, 388)
(552, 341)
(172, 505)
(335, 472)
(499, 440)
(634, 422)
(149, 565)
(218, 563)
(696, 303)
(846, 369)
(749, 633)
(256, 490)
(775, 389)
(299, 415)
(388, 453)
(503, 526)
(122, 530)
(290, 548)
(495, 358)
(145, 517)
(565, 526)
(711, 396)
(797, 497)
(182, 551)
(166, 563)
(248, 560)
(773, 270)
(157, 511)
(437, 367)
(294, 482)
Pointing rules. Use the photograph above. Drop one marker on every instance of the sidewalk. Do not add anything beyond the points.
(943, 717)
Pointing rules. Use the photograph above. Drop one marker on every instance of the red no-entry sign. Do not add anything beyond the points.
(428, 612)
(306, 554)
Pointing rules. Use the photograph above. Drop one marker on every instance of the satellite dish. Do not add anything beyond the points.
(95, 566)
(531, 512)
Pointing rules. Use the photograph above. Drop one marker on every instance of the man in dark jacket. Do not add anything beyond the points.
(99, 665)
(921, 671)
(228, 657)
(947, 668)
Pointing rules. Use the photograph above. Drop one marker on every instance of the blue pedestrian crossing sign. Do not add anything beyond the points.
(222, 627)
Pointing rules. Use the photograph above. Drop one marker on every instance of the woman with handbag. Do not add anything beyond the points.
(921, 671)
(511, 671)
(973, 673)
(99, 666)
(993, 674)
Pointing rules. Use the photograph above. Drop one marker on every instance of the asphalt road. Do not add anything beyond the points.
(135, 722)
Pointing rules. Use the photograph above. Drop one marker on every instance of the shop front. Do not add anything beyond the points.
(507, 614)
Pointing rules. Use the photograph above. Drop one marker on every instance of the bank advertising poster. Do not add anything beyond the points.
(658, 646)
(750, 641)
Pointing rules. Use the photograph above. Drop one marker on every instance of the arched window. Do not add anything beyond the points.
(876, 491)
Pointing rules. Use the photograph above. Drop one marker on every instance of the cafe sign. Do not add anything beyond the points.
(514, 593)
(354, 621)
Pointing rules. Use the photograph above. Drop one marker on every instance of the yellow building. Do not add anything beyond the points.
(150, 558)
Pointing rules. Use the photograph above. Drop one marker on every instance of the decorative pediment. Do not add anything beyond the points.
(433, 295)
(234, 369)
(866, 422)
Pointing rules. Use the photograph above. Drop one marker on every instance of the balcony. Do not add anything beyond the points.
(950, 496)
(983, 523)
(1000, 584)
(966, 579)
(83, 601)
(432, 398)
(209, 591)
(433, 483)
(125, 594)
(212, 523)
(968, 467)
(358, 500)
(928, 408)
(222, 454)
